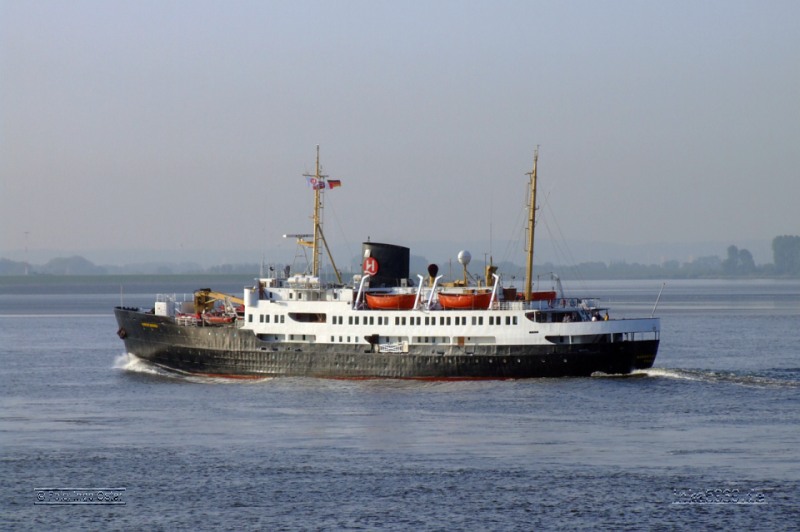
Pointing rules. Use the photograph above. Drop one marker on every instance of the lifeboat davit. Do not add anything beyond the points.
(465, 300)
(389, 301)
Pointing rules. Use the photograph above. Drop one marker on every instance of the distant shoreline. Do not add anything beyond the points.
(206, 278)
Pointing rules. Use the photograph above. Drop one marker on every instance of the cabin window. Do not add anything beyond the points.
(508, 320)
(266, 318)
(348, 339)
(403, 321)
(448, 320)
(340, 338)
(349, 320)
(332, 339)
(514, 320)
(480, 320)
(441, 320)
(474, 320)
(397, 320)
(308, 317)
(250, 318)
(260, 318)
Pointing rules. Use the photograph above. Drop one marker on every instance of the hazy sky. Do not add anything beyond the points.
(185, 125)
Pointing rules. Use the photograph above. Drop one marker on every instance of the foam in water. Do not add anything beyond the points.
(134, 364)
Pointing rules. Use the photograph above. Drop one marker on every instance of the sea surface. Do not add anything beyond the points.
(708, 438)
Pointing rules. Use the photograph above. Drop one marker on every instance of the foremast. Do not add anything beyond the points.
(531, 227)
(319, 184)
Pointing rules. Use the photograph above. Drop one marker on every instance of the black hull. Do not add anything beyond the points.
(231, 352)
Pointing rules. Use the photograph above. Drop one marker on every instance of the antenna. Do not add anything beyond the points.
(658, 299)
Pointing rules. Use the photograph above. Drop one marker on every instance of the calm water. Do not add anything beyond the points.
(721, 411)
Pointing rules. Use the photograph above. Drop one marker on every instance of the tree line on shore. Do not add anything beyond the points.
(737, 263)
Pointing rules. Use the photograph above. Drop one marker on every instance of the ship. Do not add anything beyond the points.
(384, 324)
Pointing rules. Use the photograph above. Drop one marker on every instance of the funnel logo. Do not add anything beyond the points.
(370, 266)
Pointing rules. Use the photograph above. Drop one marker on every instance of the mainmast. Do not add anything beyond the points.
(531, 226)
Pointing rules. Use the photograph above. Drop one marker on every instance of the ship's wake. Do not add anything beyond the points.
(779, 378)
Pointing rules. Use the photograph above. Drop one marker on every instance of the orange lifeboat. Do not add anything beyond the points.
(465, 300)
(542, 296)
(218, 319)
(389, 301)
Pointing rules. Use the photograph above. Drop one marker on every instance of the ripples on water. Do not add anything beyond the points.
(719, 412)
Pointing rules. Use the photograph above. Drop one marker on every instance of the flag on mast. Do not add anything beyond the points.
(315, 183)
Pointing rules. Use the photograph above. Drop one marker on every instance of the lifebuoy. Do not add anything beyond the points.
(122, 333)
